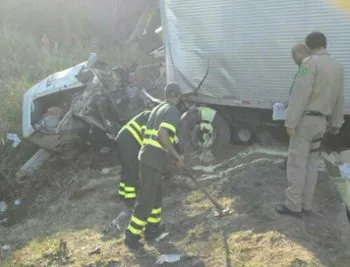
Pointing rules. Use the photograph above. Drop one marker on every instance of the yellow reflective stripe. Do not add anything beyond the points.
(154, 220)
(134, 134)
(130, 195)
(151, 132)
(138, 221)
(134, 230)
(152, 143)
(207, 114)
(122, 193)
(156, 211)
(121, 184)
(136, 125)
(168, 126)
(143, 128)
(129, 189)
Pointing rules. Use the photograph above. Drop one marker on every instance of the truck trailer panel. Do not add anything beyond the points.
(247, 46)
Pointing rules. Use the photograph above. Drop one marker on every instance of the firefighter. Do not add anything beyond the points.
(158, 143)
(300, 54)
(317, 100)
(129, 141)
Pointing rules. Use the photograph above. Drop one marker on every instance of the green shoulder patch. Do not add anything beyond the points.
(303, 71)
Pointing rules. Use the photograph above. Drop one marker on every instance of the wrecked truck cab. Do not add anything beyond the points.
(83, 106)
(45, 103)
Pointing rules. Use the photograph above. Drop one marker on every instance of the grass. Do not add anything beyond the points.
(70, 249)
(69, 229)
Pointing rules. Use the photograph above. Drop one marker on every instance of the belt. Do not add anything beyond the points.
(314, 113)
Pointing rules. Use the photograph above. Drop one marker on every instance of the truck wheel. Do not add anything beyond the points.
(242, 134)
(196, 134)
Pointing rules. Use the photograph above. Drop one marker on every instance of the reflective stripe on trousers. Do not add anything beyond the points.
(136, 226)
(127, 192)
(121, 191)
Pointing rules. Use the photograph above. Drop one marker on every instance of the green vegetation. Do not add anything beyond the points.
(22, 64)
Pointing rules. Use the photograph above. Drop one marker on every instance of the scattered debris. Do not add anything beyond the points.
(105, 170)
(3, 206)
(95, 251)
(14, 138)
(119, 222)
(224, 212)
(6, 247)
(18, 202)
(162, 236)
(170, 258)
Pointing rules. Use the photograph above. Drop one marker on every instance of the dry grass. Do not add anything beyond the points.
(71, 249)
(252, 237)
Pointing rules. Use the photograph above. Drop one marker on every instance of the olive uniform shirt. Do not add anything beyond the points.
(318, 87)
(152, 154)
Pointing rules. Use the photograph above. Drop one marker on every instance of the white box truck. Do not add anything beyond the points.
(245, 49)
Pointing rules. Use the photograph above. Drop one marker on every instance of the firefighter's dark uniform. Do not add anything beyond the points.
(153, 161)
(129, 141)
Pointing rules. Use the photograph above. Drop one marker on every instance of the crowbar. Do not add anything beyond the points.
(220, 211)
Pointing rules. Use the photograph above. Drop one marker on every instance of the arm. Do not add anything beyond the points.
(337, 117)
(300, 94)
(164, 141)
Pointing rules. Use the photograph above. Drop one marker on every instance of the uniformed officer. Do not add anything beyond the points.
(159, 137)
(129, 141)
(317, 95)
(300, 54)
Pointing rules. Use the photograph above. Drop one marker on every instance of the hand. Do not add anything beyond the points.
(291, 132)
(334, 130)
(181, 162)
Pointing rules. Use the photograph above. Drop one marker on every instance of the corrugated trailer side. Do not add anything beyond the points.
(248, 46)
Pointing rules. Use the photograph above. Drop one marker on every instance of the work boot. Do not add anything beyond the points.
(132, 241)
(152, 232)
(283, 210)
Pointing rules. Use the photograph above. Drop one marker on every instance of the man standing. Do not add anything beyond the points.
(158, 142)
(317, 96)
(129, 141)
(300, 54)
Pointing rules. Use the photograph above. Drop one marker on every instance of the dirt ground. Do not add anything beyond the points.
(69, 223)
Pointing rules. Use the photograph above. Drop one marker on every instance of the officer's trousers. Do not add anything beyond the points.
(147, 210)
(128, 150)
(302, 165)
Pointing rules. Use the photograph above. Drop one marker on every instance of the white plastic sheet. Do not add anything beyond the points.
(14, 138)
(279, 112)
(170, 258)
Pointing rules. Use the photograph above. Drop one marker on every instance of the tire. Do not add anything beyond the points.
(190, 135)
(242, 134)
